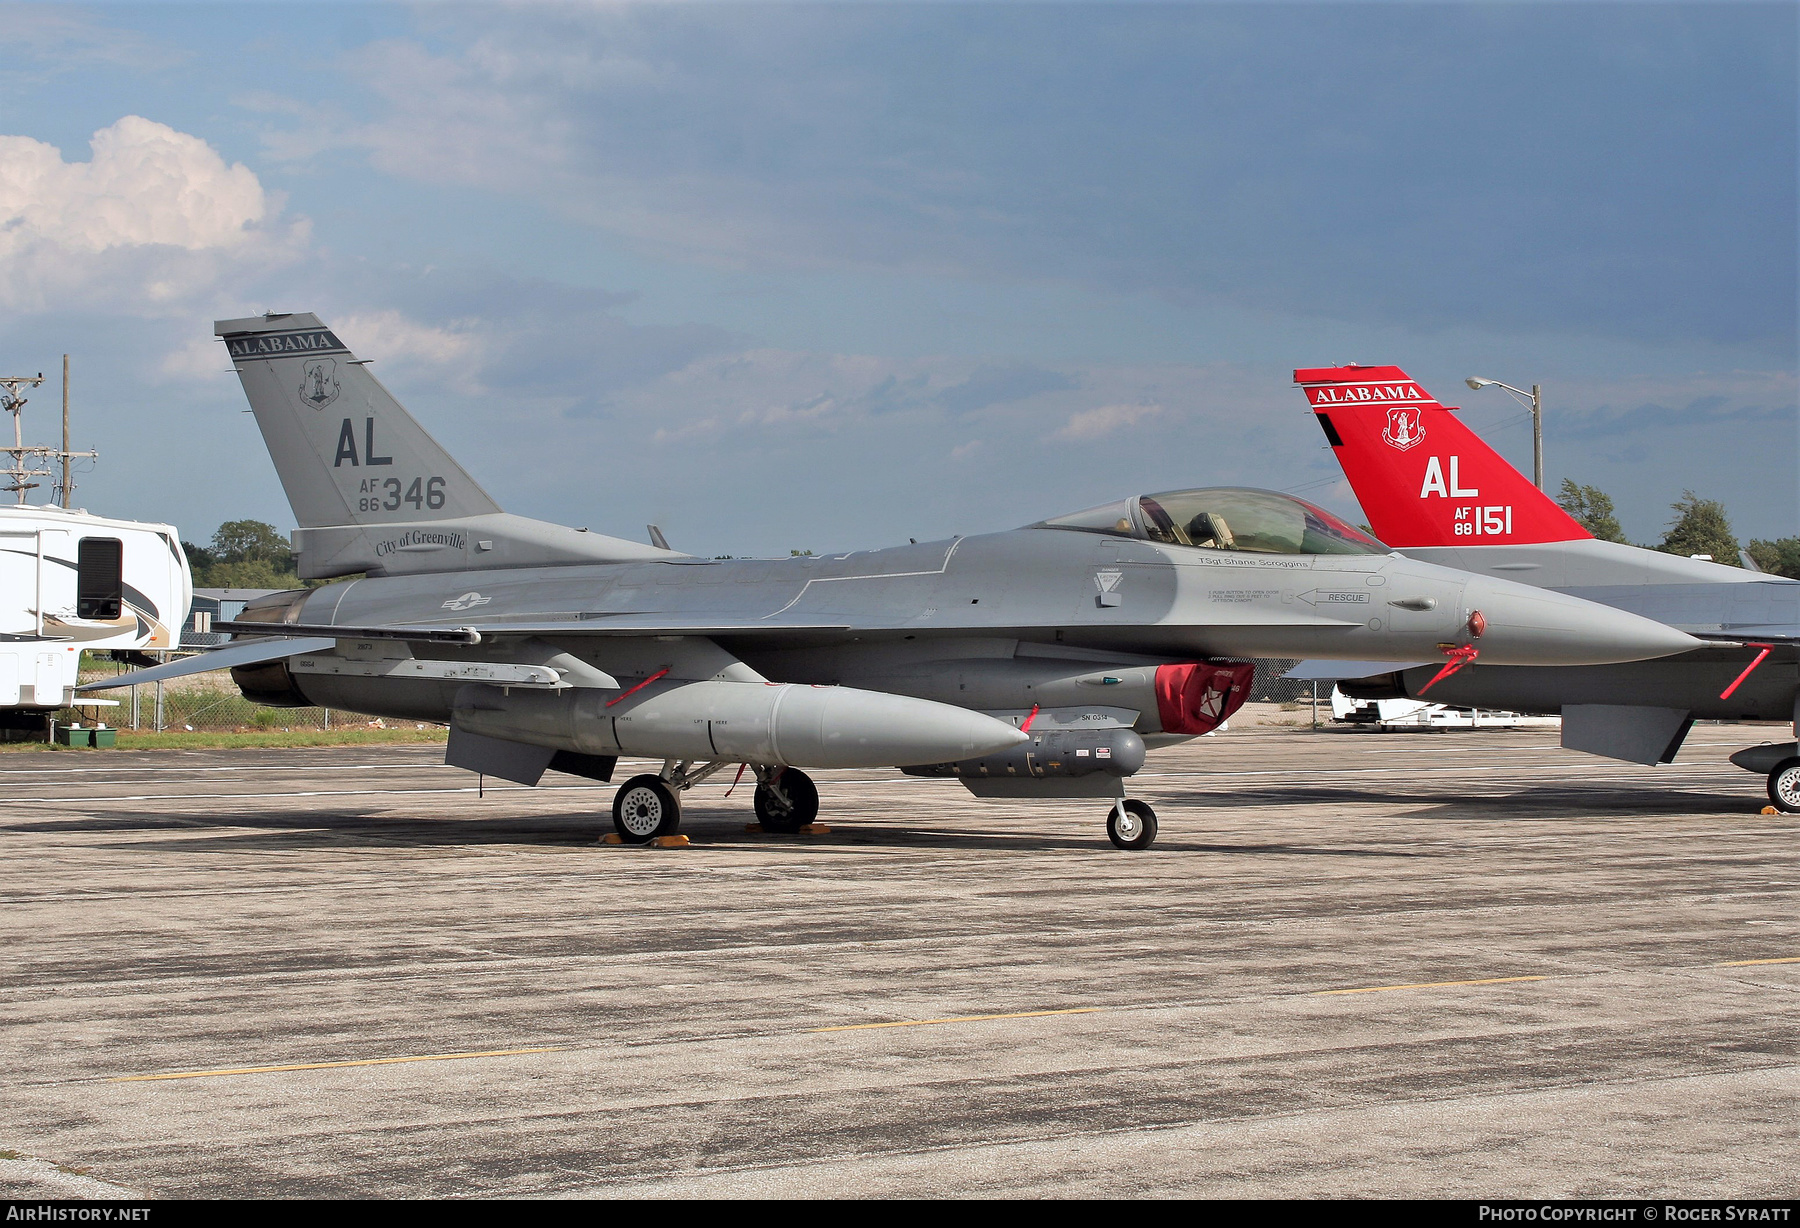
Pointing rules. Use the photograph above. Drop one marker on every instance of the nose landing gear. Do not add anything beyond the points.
(1131, 824)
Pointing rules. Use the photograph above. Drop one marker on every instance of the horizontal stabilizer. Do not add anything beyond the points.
(519, 762)
(1625, 731)
(253, 653)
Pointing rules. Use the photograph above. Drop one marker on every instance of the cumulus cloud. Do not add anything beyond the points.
(154, 220)
(1106, 420)
(393, 337)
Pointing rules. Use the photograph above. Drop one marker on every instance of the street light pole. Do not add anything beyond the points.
(1537, 436)
(1534, 401)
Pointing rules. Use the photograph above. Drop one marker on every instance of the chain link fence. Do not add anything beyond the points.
(1268, 686)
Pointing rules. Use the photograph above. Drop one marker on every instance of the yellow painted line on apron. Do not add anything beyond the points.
(926, 1023)
(1492, 980)
(370, 1061)
(1745, 963)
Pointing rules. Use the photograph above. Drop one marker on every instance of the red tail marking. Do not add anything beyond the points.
(1459, 657)
(1748, 669)
(1424, 478)
(634, 690)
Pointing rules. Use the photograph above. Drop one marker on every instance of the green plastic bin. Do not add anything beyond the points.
(67, 735)
(105, 737)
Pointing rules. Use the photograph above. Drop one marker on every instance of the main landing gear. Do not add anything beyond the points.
(786, 799)
(1131, 824)
(649, 807)
(644, 808)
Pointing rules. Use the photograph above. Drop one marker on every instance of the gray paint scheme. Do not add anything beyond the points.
(1703, 598)
(936, 644)
(1636, 734)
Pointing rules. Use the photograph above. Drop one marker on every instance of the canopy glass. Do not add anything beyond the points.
(1224, 518)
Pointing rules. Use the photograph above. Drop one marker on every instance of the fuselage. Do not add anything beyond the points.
(1051, 602)
(1694, 595)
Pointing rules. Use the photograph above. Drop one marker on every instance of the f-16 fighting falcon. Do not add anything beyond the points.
(1434, 490)
(1039, 662)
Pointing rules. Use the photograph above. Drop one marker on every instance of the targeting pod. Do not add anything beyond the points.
(1060, 753)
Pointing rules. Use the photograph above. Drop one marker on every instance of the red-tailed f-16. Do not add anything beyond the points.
(1037, 662)
(1432, 489)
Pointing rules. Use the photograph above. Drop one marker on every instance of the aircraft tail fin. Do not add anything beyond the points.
(346, 450)
(370, 489)
(1424, 478)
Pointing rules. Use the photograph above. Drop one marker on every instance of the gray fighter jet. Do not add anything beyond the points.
(1039, 662)
(1433, 489)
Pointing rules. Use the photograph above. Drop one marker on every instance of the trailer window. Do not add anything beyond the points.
(100, 586)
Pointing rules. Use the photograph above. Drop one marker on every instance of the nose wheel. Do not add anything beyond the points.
(1131, 824)
(786, 800)
(645, 808)
(1784, 786)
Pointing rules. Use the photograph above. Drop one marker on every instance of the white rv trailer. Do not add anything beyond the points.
(73, 582)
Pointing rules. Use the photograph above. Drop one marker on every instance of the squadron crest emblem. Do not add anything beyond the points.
(1404, 429)
(319, 385)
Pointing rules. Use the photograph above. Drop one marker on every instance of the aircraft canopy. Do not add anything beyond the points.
(1223, 518)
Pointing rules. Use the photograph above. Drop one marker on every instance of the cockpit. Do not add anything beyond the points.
(1223, 518)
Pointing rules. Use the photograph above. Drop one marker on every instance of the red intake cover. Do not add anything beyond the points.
(1199, 698)
(1423, 477)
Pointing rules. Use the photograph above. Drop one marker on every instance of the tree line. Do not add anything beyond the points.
(1699, 526)
(253, 554)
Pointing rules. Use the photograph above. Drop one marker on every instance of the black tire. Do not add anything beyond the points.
(800, 808)
(1131, 825)
(645, 808)
(1784, 786)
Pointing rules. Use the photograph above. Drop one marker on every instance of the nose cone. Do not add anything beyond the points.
(1535, 626)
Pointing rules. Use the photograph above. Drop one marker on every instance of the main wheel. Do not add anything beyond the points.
(1784, 786)
(645, 808)
(788, 802)
(1131, 825)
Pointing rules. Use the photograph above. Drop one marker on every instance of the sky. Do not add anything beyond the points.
(832, 276)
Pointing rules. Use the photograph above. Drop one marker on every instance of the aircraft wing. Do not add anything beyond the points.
(255, 652)
(610, 624)
(1737, 633)
(1763, 610)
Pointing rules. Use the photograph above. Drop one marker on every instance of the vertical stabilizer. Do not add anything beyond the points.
(1424, 478)
(371, 491)
(347, 452)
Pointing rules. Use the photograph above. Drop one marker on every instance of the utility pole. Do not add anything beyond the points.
(67, 485)
(14, 404)
(27, 460)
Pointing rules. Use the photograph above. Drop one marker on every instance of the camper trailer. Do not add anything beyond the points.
(72, 582)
